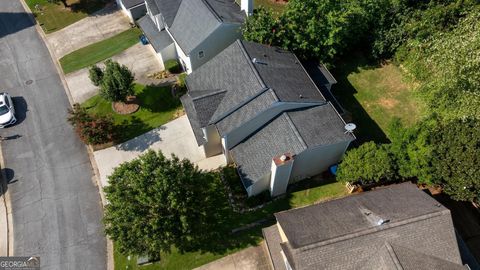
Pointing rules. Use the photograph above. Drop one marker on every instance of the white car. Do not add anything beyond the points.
(7, 111)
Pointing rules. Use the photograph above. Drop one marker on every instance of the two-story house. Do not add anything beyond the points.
(258, 106)
(192, 31)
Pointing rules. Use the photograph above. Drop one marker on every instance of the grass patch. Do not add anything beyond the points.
(53, 17)
(320, 190)
(99, 51)
(375, 95)
(276, 7)
(157, 107)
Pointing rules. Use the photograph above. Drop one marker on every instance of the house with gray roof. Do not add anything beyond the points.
(192, 31)
(397, 227)
(257, 105)
(134, 9)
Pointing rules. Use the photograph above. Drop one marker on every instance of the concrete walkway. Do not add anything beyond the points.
(96, 27)
(175, 137)
(140, 59)
(252, 258)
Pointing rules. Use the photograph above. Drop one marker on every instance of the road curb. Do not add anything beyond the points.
(6, 231)
(109, 248)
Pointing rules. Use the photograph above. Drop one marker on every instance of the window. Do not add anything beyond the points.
(201, 54)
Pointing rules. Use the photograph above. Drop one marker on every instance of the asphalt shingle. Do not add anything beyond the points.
(132, 3)
(159, 39)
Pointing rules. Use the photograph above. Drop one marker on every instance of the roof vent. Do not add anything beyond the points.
(300, 96)
(256, 61)
(350, 127)
(283, 157)
(382, 221)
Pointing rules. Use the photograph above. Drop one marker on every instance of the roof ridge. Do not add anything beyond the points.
(252, 66)
(374, 229)
(212, 10)
(211, 93)
(393, 256)
(295, 130)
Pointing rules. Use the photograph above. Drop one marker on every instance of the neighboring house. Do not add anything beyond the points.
(258, 106)
(134, 9)
(397, 227)
(192, 31)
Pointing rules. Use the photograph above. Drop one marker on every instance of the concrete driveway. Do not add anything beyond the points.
(140, 59)
(96, 27)
(252, 258)
(175, 137)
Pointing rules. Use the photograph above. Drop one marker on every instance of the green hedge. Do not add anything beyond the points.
(173, 66)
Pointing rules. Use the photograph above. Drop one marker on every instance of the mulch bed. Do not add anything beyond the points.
(128, 107)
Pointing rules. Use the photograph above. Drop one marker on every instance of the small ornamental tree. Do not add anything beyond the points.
(369, 163)
(95, 74)
(117, 82)
(91, 129)
(156, 203)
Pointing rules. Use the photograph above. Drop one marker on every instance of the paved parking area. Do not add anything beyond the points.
(175, 137)
(96, 27)
(252, 258)
(140, 59)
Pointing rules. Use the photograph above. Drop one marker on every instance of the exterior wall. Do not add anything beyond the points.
(137, 12)
(260, 186)
(316, 160)
(224, 35)
(283, 236)
(187, 65)
(213, 146)
(238, 134)
(168, 53)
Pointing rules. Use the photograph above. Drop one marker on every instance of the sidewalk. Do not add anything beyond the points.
(3, 221)
(175, 137)
(138, 58)
(100, 25)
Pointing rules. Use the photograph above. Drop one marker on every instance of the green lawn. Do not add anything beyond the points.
(53, 17)
(375, 95)
(320, 191)
(99, 51)
(157, 107)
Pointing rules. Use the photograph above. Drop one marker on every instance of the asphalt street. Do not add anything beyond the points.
(56, 207)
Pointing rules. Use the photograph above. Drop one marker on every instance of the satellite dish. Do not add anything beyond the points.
(350, 127)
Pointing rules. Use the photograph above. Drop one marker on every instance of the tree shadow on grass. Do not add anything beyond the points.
(157, 99)
(344, 91)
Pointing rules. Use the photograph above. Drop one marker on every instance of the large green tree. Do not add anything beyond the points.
(156, 203)
(117, 82)
(456, 158)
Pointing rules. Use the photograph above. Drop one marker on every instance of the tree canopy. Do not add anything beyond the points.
(156, 203)
(117, 82)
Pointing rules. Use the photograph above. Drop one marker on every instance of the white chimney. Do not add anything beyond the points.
(247, 6)
(280, 175)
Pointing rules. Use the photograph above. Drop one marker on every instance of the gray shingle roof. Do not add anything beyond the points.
(159, 39)
(168, 9)
(283, 72)
(227, 10)
(320, 125)
(189, 108)
(254, 155)
(344, 233)
(273, 239)
(193, 24)
(131, 3)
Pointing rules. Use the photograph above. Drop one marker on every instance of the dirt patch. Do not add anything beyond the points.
(388, 103)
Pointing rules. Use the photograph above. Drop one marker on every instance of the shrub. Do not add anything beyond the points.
(91, 129)
(369, 163)
(95, 74)
(173, 66)
(117, 82)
